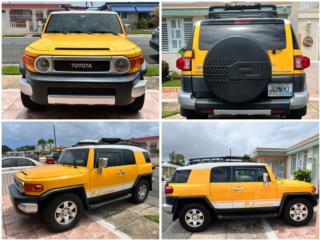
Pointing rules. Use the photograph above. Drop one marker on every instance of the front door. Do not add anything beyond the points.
(248, 188)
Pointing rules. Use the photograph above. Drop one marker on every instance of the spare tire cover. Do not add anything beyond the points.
(237, 69)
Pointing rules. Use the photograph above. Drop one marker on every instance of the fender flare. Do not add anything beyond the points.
(295, 194)
(147, 176)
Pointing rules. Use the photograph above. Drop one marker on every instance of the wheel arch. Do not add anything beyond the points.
(289, 196)
(147, 177)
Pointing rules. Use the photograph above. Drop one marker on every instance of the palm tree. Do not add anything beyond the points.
(42, 143)
(50, 142)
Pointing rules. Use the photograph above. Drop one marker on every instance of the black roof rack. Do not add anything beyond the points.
(243, 10)
(245, 158)
(106, 141)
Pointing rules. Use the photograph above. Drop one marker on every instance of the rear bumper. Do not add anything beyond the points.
(23, 204)
(154, 44)
(83, 89)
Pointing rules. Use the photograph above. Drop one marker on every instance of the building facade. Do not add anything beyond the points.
(151, 143)
(284, 161)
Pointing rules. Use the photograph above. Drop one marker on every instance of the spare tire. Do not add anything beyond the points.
(237, 69)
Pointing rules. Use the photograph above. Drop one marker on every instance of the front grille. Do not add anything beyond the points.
(82, 91)
(81, 66)
(19, 185)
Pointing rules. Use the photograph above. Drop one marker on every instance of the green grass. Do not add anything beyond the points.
(153, 70)
(140, 31)
(13, 35)
(10, 70)
(154, 218)
(169, 113)
(172, 83)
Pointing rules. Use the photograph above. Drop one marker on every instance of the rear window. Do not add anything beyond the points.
(270, 35)
(180, 176)
(220, 175)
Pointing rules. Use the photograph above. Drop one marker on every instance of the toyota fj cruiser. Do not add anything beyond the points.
(83, 57)
(85, 176)
(226, 188)
(243, 60)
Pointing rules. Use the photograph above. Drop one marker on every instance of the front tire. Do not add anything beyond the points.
(28, 103)
(298, 212)
(140, 192)
(194, 217)
(63, 212)
(136, 105)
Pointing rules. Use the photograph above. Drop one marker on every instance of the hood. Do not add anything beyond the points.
(115, 43)
(290, 182)
(49, 171)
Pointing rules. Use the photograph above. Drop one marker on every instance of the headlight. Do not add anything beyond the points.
(42, 64)
(121, 65)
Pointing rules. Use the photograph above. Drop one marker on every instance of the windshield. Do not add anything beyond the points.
(77, 157)
(271, 36)
(84, 23)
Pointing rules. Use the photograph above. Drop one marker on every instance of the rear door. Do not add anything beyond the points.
(129, 167)
(274, 35)
(221, 187)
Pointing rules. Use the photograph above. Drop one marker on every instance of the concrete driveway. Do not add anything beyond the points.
(13, 48)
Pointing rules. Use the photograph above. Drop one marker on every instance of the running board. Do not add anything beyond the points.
(101, 204)
(230, 216)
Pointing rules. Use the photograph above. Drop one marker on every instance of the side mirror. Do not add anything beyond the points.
(265, 179)
(102, 163)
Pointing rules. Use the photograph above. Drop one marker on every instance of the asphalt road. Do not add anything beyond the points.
(13, 48)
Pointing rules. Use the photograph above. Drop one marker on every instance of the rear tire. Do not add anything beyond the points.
(194, 217)
(140, 192)
(297, 113)
(62, 212)
(28, 103)
(298, 212)
(136, 105)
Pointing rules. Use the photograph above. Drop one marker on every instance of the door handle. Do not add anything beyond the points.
(121, 172)
(238, 189)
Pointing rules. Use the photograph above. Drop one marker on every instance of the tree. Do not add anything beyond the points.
(155, 18)
(6, 149)
(176, 159)
(50, 142)
(25, 148)
(42, 143)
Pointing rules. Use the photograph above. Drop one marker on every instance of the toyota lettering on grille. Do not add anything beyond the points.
(81, 65)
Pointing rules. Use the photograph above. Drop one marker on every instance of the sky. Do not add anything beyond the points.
(204, 139)
(15, 134)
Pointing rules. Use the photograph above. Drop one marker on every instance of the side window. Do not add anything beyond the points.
(8, 163)
(146, 157)
(128, 157)
(220, 174)
(24, 162)
(248, 174)
(114, 156)
(180, 176)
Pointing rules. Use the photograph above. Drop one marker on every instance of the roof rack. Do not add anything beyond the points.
(245, 158)
(107, 141)
(243, 10)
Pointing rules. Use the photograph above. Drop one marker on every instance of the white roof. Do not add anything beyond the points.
(169, 165)
(220, 164)
(82, 12)
(115, 146)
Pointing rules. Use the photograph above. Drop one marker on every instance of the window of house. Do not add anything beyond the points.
(124, 16)
(280, 169)
(299, 161)
(20, 16)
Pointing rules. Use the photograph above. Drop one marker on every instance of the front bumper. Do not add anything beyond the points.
(83, 89)
(264, 107)
(23, 204)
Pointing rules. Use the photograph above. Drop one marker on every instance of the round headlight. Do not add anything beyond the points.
(42, 64)
(121, 65)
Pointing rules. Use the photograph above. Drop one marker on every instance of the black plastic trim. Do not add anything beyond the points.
(148, 176)
(314, 197)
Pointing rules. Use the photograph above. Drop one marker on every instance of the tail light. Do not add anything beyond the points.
(33, 187)
(29, 62)
(314, 189)
(153, 167)
(301, 62)
(135, 63)
(184, 63)
(168, 189)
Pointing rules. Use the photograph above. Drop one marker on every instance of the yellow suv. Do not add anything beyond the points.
(85, 176)
(243, 60)
(230, 189)
(83, 57)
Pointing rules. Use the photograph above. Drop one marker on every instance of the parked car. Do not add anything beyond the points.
(85, 177)
(154, 41)
(11, 164)
(230, 189)
(89, 61)
(243, 60)
(52, 158)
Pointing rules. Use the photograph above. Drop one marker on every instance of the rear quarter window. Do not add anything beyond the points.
(146, 157)
(180, 176)
(270, 35)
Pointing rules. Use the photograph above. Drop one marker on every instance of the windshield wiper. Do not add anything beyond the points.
(105, 32)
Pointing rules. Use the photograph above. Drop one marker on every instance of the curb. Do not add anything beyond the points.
(269, 232)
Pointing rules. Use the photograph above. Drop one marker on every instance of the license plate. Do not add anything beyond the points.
(280, 89)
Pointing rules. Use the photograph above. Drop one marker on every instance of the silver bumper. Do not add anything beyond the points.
(28, 207)
(167, 208)
(299, 99)
(186, 100)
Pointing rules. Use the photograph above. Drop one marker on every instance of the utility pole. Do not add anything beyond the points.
(230, 152)
(54, 135)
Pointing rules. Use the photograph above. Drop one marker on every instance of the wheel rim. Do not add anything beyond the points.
(298, 212)
(194, 217)
(66, 212)
(142, 191)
